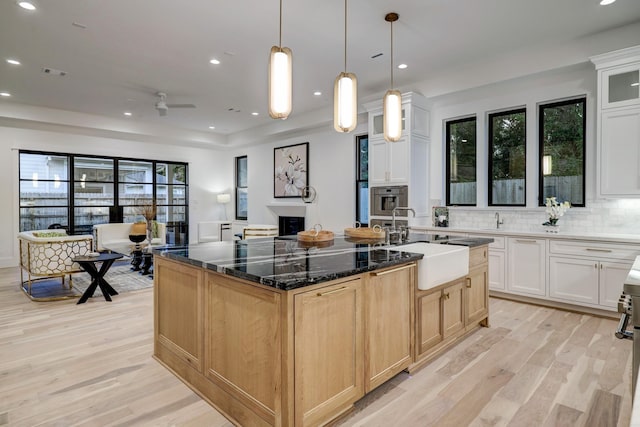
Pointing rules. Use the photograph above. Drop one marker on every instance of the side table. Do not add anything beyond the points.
(88, 264)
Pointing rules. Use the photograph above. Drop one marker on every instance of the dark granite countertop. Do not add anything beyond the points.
(284, 263)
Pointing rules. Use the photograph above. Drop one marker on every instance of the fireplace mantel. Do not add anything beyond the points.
(288, 209)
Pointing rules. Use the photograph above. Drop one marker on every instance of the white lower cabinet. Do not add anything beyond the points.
(586, 281)
(612, 277)
(574, 280)
(496, 270)
(526, 268)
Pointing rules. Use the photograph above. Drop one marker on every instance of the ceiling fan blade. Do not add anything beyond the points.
(181, 106)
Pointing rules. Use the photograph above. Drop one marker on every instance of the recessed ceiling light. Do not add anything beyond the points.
(26, 5)
(214, 61)
(127, 113)
(13, 61)
(317, 93)
(212, 127)
(606, 2)
(402, 66)
(5, 94)
(255, 113)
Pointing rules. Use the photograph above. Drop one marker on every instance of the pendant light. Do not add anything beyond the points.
(392, 101)
(280, 78)
(345, 89)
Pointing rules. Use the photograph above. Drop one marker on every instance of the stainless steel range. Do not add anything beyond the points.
(629, 301)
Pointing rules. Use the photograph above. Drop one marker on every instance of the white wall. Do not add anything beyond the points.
(617, 216)
(209, 173)
(331, 173)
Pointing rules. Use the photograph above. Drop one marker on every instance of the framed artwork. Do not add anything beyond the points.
(290, 170)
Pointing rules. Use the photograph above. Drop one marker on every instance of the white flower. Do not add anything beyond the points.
(554, 209)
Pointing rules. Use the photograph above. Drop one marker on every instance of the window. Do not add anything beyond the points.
(562, 145)
(362, 179)
(461, 162)
(507, 158)
(44, 191)
(79, 191)
(241, 187)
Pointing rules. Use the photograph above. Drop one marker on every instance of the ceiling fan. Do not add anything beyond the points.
(163, 107)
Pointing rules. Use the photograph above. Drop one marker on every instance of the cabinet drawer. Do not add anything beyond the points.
(498, 241)
(594, 249)
(477, 256)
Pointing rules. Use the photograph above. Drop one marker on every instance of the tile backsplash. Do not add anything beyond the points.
(600, 216)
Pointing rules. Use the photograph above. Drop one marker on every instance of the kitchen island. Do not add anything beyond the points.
(273, 332)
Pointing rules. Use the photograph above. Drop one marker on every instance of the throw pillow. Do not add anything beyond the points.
(49, 234)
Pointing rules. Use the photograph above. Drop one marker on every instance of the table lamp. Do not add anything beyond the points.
(223, 199)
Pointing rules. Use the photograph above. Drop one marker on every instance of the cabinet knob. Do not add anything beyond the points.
(468, 282)
(446, 295)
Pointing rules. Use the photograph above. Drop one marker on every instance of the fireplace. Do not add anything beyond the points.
(290, 225)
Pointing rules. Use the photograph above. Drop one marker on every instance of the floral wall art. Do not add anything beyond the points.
(291, 172)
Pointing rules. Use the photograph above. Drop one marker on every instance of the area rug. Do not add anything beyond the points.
(120, 277)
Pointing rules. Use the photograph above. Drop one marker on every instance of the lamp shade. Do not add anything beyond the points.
(223, 198)
(280, 82)
(345, 102)
(392, 116)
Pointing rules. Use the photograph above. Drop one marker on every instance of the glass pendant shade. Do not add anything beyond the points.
(280, 82)
(392, 116)
(345, 102)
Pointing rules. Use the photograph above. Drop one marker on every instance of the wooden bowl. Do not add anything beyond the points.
(364, 233)
(315, 236)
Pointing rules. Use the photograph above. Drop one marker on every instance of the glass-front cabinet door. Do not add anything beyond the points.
(621, 86)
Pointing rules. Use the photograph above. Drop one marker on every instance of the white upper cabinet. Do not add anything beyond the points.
(394, 163)
(620, 86)
(618, 123)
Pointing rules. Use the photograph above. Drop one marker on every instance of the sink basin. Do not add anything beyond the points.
(441, 263)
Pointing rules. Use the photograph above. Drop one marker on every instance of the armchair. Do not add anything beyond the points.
(47, 254)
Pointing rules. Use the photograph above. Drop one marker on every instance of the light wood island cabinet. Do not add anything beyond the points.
(329, 353)
(448, 312)
(264, 356)
(302, 357)
(389, 314)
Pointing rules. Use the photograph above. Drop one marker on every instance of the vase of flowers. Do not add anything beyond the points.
(554, 210)
(148, 209)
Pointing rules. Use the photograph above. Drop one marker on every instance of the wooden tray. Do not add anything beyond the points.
(364, 233)
(312, 236)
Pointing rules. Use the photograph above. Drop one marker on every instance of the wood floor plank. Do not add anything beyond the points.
(534, 411)
(470, 406)
(604, 409)
(563, 416)
(63, 365)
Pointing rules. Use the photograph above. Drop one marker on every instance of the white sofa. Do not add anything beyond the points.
(49, 253)
(117, 234)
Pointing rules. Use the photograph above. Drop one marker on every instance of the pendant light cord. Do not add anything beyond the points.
(280, 32)
(345, 36)
(391, 54)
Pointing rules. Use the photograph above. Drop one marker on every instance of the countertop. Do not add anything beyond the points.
(284, 263)
(562, 234)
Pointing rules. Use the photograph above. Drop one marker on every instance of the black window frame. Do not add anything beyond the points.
(490, 117)
(448, 124)
(582, 100)
(359, 178)
(115, 211)
(240, 188)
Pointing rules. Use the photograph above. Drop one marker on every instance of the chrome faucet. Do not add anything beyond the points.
(393, 214)
(498, 220)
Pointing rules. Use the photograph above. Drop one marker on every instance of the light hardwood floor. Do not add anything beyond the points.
(62, 365)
